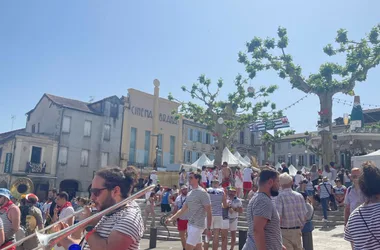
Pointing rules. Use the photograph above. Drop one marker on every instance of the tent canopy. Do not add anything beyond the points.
(359, 160)
(245, 163)
(246, 158)
(292, 170)
(231, 159)
(202, 161)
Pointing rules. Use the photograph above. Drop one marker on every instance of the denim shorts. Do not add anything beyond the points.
(310, 192)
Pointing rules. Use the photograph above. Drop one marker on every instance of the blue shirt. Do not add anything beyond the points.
(165, 198)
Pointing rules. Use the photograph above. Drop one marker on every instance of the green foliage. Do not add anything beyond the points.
(237, 110)
(332, 77)
(316, 149)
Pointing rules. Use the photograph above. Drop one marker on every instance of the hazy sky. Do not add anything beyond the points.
(79, 49)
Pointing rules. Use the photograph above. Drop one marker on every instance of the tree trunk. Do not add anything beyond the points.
(220, 145)
(326, 124)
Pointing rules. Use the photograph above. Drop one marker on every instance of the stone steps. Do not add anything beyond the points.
(335, 218)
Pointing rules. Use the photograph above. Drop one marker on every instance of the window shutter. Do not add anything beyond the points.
(189, 134)
(195, 135)
(193, 156)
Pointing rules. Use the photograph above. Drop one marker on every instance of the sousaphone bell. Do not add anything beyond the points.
(21, 186)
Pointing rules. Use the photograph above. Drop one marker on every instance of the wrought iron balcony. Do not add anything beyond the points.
(35, 168)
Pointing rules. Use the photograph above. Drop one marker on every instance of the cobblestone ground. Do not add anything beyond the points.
(324, 239)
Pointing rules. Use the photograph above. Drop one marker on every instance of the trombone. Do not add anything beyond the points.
(47, 241)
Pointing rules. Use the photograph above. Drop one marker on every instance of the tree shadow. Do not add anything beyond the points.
(327, 229)
(341, 235)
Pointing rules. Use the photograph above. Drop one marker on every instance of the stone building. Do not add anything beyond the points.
(88, 136)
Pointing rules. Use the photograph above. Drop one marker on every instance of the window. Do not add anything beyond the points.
(172, 149)
(36, 155)
(147, 147)
(311, 159)
(190, 134)
(208, 138)
(184, 156)
(188, 156)
(104, 160)
(252, 139)
(38, 127)
(301, 161)
(132, 145)
(199, 136)
(33, 128)
(279, 146)
(292, 159)
(198, 155)
(62, 156)
(281, 158)
(84, 158)
(87, 128)
(66, 124)
(107, 132)
(241, 137)
(160, 150)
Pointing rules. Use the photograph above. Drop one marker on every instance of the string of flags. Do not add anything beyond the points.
(291, 105)
(349, 103)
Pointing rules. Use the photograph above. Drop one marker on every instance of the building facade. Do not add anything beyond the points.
(88, 137)
(27, 155)
(152, 137)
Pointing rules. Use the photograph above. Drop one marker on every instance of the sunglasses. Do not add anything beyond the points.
(97, 191)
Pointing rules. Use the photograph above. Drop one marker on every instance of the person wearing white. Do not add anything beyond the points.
(235, 206)
(247, 180)
(327, 173)
(154, 177)
(204, 176)
(210, 176)
(238, 182)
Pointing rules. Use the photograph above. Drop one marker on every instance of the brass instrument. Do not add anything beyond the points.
(21, 186)
(47, 241)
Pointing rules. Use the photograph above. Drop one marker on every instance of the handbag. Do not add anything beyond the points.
(368, 226)
(332, 198)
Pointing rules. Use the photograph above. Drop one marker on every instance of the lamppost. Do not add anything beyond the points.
(289, 155)
(157, 152)
(184, 148)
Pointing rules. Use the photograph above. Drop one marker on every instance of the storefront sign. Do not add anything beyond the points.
(8, 163)
(149, 114)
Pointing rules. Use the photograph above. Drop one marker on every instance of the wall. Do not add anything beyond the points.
(139, 114)
(24, 144)
(48, 115)
(76, 142)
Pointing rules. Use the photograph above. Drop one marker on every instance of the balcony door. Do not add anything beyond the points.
(36, 155)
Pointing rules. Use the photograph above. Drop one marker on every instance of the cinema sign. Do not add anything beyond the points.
(146, 113)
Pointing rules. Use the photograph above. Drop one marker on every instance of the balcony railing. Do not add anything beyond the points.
(35, 168)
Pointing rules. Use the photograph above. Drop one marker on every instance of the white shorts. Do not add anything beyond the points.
(194, 235)
(216, 222)
(231, 226)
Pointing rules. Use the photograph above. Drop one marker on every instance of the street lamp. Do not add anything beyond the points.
(289, 155)
(157, 149)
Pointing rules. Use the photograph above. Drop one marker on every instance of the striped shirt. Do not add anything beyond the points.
(179, 201)
(216, 197)
(261, 205)
(291, 207)
(196, 201)
(127, 221)
(357, 232)
(325, 190)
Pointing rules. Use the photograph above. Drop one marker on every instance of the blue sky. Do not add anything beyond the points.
(79, 49)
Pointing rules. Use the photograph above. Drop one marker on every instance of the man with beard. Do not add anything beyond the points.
(198, 205)
(183, 219)
(262, 217)
(121, 229)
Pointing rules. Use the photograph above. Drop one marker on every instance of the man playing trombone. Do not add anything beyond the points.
(121, 229)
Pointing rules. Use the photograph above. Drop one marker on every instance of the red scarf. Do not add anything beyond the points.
(67, 204)
(6, 206)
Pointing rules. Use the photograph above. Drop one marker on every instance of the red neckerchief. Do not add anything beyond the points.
(67, 204)
(6, 206)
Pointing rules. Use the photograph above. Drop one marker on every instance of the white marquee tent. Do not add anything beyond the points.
(357, 161)
(246, 158)
(231, 159)
(292, 170)
(238, 155)
(202, 161)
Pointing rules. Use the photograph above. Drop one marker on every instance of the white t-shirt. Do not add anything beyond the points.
(220, 176)
(67, 211)
(210, 176)
(247, 175)
(154, 179)
(297, 179)
(204, 176)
